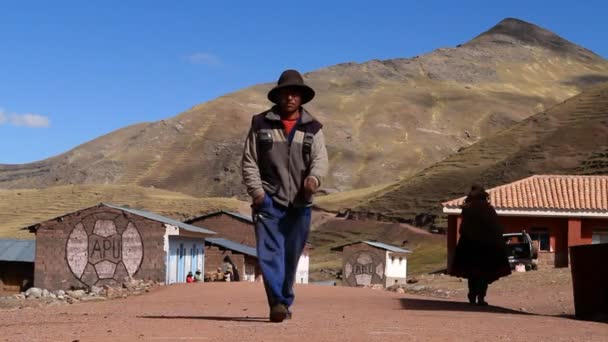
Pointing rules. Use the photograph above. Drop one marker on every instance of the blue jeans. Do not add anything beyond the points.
(281, 234)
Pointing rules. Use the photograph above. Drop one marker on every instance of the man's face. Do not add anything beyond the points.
(290, 100)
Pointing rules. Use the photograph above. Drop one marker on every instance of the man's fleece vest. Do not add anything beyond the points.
(284, 161)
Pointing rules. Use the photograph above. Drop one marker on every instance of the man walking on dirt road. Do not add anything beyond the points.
(284, 161)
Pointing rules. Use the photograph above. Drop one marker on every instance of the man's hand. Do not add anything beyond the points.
(310, 186)
(258, 200)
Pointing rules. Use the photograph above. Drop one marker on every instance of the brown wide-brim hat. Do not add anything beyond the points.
(291, 79)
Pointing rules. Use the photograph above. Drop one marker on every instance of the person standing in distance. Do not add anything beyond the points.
(284, 162)
(481, 253)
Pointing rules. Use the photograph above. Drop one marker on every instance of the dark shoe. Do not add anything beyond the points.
(278, 313)
(481, 301)
(471, 298)
(288, 314)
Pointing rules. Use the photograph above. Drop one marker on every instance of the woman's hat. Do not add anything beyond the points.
(291, 79)
(478, 192)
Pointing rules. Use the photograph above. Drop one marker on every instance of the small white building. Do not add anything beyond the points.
(303, 266)
(369, 262)
(396, 266)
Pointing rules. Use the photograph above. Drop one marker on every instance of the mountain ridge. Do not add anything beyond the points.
(386, 120)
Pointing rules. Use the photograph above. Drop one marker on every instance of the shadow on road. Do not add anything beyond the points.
(444, 305)
(213, 318)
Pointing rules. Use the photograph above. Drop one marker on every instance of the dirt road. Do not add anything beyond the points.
(237, 312)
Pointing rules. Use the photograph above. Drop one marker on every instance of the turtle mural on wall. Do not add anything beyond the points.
(104, 248)
(364, 268)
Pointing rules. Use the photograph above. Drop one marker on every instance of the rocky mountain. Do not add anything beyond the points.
(385, 120)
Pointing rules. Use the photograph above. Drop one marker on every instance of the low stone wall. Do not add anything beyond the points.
(36, 297)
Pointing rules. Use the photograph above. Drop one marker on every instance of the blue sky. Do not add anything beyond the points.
(72, 71)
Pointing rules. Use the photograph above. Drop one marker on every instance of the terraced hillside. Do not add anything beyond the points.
(570, 138)
(385, 120)
(21, 208)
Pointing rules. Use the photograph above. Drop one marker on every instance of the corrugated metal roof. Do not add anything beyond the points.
(239, 215)
(390, 248)
(376, 244)
(233, 246)
(229, 213)
(17, 250)
(163, 219)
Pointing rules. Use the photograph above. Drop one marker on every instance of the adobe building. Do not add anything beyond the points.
(244, 259)
(228, 225)
(556, 211)
(104, 244)
(16, 265)
(240, 229)
(368, 263)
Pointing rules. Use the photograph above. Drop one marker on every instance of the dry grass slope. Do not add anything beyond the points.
(570, 138)
(24, 207)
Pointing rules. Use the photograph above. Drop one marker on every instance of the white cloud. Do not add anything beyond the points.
(30, 120)
(24, 120)
(204, 58)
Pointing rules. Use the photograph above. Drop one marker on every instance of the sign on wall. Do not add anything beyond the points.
(99, 250)
(364, 268)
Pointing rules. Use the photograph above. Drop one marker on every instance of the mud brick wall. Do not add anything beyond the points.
(363, 265)
(214, 258)
(546, 259)
(228, 227)
(98, 246)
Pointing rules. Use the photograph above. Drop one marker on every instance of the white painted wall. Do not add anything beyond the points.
(302, 271)
(169, 230)
(170, 256)
(396, 266)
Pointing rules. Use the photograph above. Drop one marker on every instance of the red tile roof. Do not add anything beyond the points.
(549, 192)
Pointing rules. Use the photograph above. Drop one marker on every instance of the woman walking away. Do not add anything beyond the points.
(481, 254)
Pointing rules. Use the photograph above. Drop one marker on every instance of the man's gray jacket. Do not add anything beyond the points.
(277, 164)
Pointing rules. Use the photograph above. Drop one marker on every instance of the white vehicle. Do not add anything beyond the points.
(521, 250)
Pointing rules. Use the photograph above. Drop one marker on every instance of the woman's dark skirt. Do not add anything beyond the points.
(479, 260)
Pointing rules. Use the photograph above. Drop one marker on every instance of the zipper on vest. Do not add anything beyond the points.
(289, 173)
(290, 138)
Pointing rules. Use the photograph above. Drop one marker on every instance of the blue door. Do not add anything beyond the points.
(180, 264)
(193, 256)
(185, 255)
